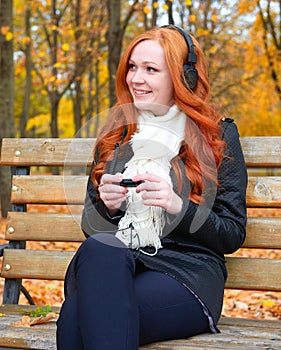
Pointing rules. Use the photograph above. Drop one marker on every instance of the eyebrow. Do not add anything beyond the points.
(145, 62)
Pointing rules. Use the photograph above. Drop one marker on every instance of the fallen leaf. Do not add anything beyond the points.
(27, 322)
(43, 319)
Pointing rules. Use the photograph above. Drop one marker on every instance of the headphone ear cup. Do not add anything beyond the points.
(190, 76)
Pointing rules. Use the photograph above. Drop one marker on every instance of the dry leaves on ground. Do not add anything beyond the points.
(26, 321)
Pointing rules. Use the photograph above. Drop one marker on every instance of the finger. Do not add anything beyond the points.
(148, 177)
(109, 178)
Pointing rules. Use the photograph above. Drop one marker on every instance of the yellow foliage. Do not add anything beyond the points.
(246, 6)
(155, 5)
(192, 18)
(5, 30)
(146, 10)
(202, 32)
(165, 7)
(65, 119)
(214, 18)
(65, 47)
(57, 65)
(9, 36)
(26, 40)
(40, 124)
(188, 2)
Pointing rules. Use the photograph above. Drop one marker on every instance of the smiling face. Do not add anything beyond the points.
(149, 79)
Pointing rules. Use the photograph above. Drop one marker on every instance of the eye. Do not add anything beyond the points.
(131, 66)
(151, 69)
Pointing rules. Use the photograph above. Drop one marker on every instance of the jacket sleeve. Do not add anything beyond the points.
(220, 227)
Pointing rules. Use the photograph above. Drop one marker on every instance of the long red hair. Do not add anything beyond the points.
(202, 152)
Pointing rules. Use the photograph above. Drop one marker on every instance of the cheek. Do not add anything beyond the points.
(128, 78)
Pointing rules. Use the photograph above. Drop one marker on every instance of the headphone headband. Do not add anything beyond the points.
(190, 72)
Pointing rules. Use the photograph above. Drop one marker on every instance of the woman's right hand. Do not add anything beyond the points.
(112, 194)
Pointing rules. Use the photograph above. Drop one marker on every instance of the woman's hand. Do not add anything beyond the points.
(155, 191)
(112, 194)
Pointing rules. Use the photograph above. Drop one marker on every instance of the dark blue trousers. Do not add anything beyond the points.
(114, 302)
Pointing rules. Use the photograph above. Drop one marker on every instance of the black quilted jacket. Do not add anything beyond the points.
(195, 242)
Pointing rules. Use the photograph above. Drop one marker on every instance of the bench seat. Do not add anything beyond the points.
(31, 159)
(235, 333)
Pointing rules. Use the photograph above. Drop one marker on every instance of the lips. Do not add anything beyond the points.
(141, 92)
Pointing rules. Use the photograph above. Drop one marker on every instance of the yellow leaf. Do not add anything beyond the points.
(201, 31)
(165, 7)
(188, 2)
(268, 303)
(155, 5)
(26, 40)
(9, 36)
(57, 65)
(214, 18)
(42, 54)
(1, 315)
(192, 18)
(65, 47)
(5, 30)
(146, 10)
(52, 78)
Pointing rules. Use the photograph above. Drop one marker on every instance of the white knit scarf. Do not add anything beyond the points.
(156, 141)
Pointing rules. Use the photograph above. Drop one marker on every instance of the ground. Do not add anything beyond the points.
(254, 304)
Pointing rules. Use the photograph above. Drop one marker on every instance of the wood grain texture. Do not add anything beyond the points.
(235, 334)
(44, 151)
(244, 273)
(262, 232)
(260, 151)
(56, 189)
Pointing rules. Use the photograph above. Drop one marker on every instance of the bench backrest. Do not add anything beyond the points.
(31, 185)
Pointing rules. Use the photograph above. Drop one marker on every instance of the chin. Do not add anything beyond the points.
(156, 109)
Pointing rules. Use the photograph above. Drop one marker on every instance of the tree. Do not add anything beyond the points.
(115, 34)
(28, 70)
(6, 92)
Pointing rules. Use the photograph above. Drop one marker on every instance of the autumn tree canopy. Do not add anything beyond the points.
(66, 53)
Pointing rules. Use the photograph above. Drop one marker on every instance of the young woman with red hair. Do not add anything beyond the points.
(165, 201)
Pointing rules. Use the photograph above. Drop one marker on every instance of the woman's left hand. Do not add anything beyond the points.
(155, 191)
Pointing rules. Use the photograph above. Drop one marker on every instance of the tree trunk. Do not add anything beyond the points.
(114, 39)
(6, 97)
(54, 103)
(28, 79)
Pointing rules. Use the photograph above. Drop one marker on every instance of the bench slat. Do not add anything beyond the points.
(259, 151)
(235, 334)
(60, 227)
(52, 151)
(264, 191)
(262, 151)
(261, 191)
(244, 273)
(53, 189)
(263, 232)
(37, 264)
(53, 227)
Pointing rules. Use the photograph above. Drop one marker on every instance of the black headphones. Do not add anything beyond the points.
(189, 70)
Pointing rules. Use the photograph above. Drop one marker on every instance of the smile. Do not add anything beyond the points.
(141, 92)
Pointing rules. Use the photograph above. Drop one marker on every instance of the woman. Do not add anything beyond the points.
(152, 267)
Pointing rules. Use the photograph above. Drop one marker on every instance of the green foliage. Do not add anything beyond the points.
(39, 311)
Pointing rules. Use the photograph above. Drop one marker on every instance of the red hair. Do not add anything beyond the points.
(202, 150)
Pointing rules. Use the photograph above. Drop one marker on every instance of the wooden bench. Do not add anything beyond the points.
(29, 158)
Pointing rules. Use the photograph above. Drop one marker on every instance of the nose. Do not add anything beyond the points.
(138, 76)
